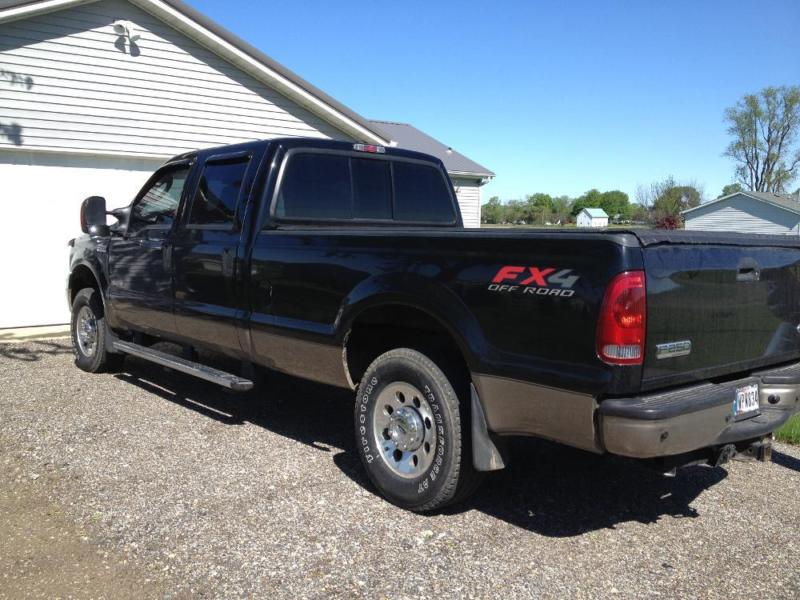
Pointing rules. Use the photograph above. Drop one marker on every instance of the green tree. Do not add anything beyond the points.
(590, 199)
(765, 128)
(492, 211)
(666, 198)
(615, 203)
(639, 213)
(516, 211)
(674, 200)
(561, 209)
(541, 200)
(729, 189)
(538, 208)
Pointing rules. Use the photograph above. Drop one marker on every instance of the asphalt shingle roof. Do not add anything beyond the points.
(409, 137)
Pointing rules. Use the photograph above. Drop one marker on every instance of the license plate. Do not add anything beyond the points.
(746, 400)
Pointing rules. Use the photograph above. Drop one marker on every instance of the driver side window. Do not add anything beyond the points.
(157, 207)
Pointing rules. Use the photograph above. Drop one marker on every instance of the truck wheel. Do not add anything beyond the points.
(411, 432)
(89, 334)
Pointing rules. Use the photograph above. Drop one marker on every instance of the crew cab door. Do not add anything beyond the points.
(208, 292)
(328, 208)
(140, 266)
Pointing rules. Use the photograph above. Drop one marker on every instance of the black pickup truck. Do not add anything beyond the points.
(348, 264)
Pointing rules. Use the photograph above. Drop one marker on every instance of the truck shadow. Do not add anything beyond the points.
(548, 489)
(784, 460)
(561, 492)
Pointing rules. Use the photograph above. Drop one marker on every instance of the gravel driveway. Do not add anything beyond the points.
(147, 483)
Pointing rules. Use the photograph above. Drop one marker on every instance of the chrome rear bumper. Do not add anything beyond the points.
(701, 416)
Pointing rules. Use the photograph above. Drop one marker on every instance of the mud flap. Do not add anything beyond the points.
(485, 454)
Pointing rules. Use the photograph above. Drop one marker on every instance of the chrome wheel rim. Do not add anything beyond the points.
(86, 331)
(404, 430)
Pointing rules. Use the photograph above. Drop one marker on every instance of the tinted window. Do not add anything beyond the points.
(218, 192)
(160, 202)
(421, 194)
(315, 186)
(372, 189)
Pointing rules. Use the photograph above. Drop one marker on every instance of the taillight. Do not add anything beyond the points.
(621, 327)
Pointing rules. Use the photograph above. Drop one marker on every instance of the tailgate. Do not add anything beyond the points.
(720, 309)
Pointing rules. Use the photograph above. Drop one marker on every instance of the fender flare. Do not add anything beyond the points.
(420, 293)
(102, 284)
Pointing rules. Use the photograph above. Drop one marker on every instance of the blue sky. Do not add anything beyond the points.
(555, 97)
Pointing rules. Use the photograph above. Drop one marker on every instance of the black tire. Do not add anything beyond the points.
(450, 476)
(99, 359)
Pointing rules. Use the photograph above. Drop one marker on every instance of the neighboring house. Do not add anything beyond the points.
(94, 95)
(592, 217)
(467, 175)
(747, 212)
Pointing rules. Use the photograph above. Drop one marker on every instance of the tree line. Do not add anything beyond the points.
(657, 205)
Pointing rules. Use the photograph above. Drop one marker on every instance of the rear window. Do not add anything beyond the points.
(316, 186)
(421, 194)
(372, 189)
(321, 186)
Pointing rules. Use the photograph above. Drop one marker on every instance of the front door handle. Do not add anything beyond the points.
(228, 261)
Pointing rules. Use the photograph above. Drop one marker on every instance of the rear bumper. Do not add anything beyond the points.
(700, 416)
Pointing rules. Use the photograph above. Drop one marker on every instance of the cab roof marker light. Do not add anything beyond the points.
(369, 148)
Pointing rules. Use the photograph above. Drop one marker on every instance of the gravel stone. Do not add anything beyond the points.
(184, 487)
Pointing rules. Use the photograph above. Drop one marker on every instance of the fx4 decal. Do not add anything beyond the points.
(546, 281)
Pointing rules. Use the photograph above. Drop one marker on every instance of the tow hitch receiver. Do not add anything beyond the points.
(760, 450)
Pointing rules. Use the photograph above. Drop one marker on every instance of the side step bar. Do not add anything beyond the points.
(226, 380)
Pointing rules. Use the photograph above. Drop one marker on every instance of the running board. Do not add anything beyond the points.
(226, 380)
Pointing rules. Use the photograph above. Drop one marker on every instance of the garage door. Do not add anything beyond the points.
(40, 201)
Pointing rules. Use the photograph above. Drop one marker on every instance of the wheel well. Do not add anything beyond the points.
(81, 278)
(382, 328)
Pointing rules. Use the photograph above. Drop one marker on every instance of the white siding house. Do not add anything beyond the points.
(592, 217)
(94, 95)
(747, 212)
(468, 192)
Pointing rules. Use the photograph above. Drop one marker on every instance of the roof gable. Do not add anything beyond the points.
(228, 46)
(785, 202)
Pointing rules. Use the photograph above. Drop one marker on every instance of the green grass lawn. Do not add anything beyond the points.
(790, 432)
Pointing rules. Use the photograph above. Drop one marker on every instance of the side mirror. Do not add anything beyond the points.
(93, 216)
